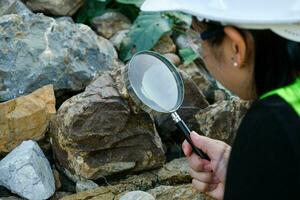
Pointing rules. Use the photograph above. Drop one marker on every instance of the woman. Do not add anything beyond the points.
(253, 49)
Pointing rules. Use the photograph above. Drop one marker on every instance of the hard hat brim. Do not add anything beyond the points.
(284, 24)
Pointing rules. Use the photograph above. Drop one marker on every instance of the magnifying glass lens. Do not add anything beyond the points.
(154, 83)
(157, 84)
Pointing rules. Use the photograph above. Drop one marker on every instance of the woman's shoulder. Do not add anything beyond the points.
(272, 118)
(273, 109)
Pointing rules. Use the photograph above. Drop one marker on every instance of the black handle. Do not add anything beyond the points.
(186, 131)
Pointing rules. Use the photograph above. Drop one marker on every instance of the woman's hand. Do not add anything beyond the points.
(208, 176)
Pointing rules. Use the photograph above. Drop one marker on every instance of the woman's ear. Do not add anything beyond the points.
(236, 45)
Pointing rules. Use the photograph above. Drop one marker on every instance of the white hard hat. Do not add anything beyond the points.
(281, 16)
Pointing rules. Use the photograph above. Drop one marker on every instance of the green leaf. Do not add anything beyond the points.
(179, 17)
(137, 3)
(188, 55)
(91, 9)
(144, 34)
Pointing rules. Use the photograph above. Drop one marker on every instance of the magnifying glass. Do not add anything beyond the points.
(155, 85)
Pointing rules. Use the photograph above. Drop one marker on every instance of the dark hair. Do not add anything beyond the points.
(277, 60)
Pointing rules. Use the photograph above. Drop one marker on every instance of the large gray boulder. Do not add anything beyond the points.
(36, 50)
(26, 172)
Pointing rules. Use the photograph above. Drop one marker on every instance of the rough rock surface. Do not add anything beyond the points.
(181, 192)
(4, 5)
(212, 91)
(117, 38)
(64, 54)
(221, 120)
(165, 45)
(55, 7)
(27, 172)
(26, 117)
(137, 195)
(110, 23)
(173, 58)
(97, 133)
(172, 173)
(176, 171)
(194, 100)
(85, 185)
(10, 198)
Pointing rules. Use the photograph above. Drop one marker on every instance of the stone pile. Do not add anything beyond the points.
(68, 128)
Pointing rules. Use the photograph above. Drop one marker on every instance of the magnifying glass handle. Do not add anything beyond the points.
(180, 124)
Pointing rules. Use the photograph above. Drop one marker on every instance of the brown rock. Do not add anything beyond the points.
(102, 193)
(194, 101)
(165, 45)
(57, 179)
(181, 192)
(55, 7)
(205, 82)
(221, 120)
(174, 172)
(59, 195)
(110, 23)
(173, 58)
(97, 133)
(26, 117)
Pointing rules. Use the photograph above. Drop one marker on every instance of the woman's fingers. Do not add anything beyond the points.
(203, 187)
(187, 149)
(198, 164)
(206, 177)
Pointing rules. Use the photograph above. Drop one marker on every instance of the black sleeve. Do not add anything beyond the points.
(262, 162)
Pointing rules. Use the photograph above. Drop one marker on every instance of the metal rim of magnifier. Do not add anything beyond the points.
(135, 97)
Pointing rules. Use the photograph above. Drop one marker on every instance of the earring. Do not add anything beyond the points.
(235, 64)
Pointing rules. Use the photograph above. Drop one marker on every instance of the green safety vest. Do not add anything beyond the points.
(290, 93)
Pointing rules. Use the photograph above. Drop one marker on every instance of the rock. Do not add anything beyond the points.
(67, 185)
(59, 195)
(110, 23)
(172, 173)
(55, 7)
(64, 54)
(221, 120)
(26, 172)
(206, 83)
(137, 195)
(26, 117)
(56, 179)
(117, 38)
(85, 185)
(173, 58)
(181, 192)
(16, 7)
(194, 101)
(165, 45)
(102, 193)
(10, 198)
(97, 133)
(4, 5)
(190, 39)
(176, 171)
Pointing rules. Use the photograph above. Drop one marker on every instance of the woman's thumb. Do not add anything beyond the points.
(202, 142)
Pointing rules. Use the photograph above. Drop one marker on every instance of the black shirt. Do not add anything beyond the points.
(265, 157)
